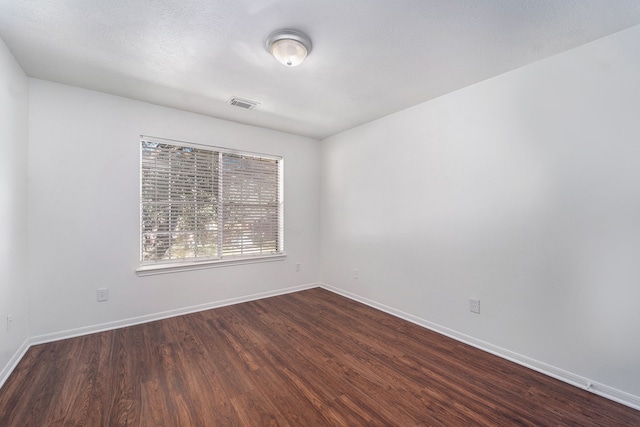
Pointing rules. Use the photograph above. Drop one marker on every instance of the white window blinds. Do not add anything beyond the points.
(204, 203)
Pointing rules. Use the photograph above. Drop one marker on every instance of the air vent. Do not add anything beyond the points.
(243, 103)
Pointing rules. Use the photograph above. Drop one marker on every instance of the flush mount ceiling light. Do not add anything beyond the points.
(288, 46)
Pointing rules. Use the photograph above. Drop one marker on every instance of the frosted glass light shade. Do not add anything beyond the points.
(289, 52)
(289, 47)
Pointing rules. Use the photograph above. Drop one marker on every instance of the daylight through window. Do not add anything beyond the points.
(201, 203)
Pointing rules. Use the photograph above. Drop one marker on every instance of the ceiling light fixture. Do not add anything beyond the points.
(288, 46)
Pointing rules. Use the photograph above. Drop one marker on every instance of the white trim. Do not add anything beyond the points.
(603, 390)
(13, 362)
(71, 333)
(164, 268)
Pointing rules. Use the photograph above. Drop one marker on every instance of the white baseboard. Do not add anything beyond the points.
(71, 333)
(603, 390)
(13, 362)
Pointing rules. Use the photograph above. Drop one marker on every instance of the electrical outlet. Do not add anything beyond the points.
(474, 306)
(297, 267)
(9, 320)
(103, 294)
(355, 273)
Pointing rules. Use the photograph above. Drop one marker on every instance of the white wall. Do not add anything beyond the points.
(14, 98)
(84, 209)
(523, 191)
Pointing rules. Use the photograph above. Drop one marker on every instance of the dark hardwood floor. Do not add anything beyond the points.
(310, 358)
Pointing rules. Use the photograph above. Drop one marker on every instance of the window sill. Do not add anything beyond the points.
(151, 269)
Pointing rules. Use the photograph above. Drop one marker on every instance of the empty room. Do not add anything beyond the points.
(319, 213)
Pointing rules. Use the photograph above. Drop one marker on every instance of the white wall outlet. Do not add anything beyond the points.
(297, 267)
(355, 273)
(474, 305)
(103, 294)
(9, 320)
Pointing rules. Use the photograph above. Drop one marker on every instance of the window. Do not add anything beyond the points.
(202, 204)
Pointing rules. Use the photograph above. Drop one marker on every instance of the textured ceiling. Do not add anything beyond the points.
(370, 58)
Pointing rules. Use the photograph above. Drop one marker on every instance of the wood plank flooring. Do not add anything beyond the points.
(310, 358)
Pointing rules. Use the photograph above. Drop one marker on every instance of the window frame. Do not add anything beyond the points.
(185, 264)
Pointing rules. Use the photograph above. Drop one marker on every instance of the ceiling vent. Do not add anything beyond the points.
(243, 103)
